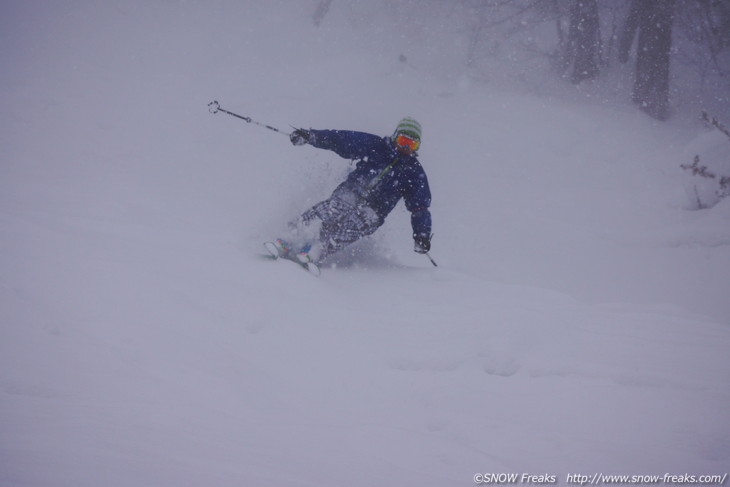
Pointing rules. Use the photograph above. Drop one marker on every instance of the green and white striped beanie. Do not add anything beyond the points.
(408, 127)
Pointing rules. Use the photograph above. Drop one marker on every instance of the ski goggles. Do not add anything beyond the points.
(405, 141)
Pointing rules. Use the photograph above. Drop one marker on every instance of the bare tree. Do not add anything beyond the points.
(494, 22)
(584, 40)
(703, 30)
(322, 9)
(653, 20)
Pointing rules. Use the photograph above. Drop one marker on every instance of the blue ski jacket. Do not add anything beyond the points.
(382, 176)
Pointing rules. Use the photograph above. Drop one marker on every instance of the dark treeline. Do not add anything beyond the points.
(671, 46)
(592, 37)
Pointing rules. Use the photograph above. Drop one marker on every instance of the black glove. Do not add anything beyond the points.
(422, 243)
(300, 137)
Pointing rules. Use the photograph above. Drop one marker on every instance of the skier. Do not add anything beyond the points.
(387, 170)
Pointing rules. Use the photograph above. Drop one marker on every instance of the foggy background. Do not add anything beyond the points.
(577, 322)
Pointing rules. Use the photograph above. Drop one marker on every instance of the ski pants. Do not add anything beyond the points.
(344, 220)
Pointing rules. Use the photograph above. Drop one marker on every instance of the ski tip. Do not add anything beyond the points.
(271, 249)
(313, 268)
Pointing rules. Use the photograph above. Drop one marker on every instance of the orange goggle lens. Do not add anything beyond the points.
(405, 141)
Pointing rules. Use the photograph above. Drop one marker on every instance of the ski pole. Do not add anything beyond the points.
(214, 107)
(431, 259)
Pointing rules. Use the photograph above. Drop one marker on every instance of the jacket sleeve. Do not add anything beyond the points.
(418, 200)
(421, 223)
(346, 143)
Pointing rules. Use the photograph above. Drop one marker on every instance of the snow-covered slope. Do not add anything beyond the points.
(577, 322)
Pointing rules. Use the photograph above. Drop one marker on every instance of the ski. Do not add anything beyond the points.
(278, 251)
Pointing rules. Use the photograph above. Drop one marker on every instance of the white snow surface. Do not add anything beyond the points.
(577, 322)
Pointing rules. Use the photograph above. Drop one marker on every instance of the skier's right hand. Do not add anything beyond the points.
(300, 136)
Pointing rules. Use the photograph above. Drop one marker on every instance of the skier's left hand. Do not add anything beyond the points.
(422, 244)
